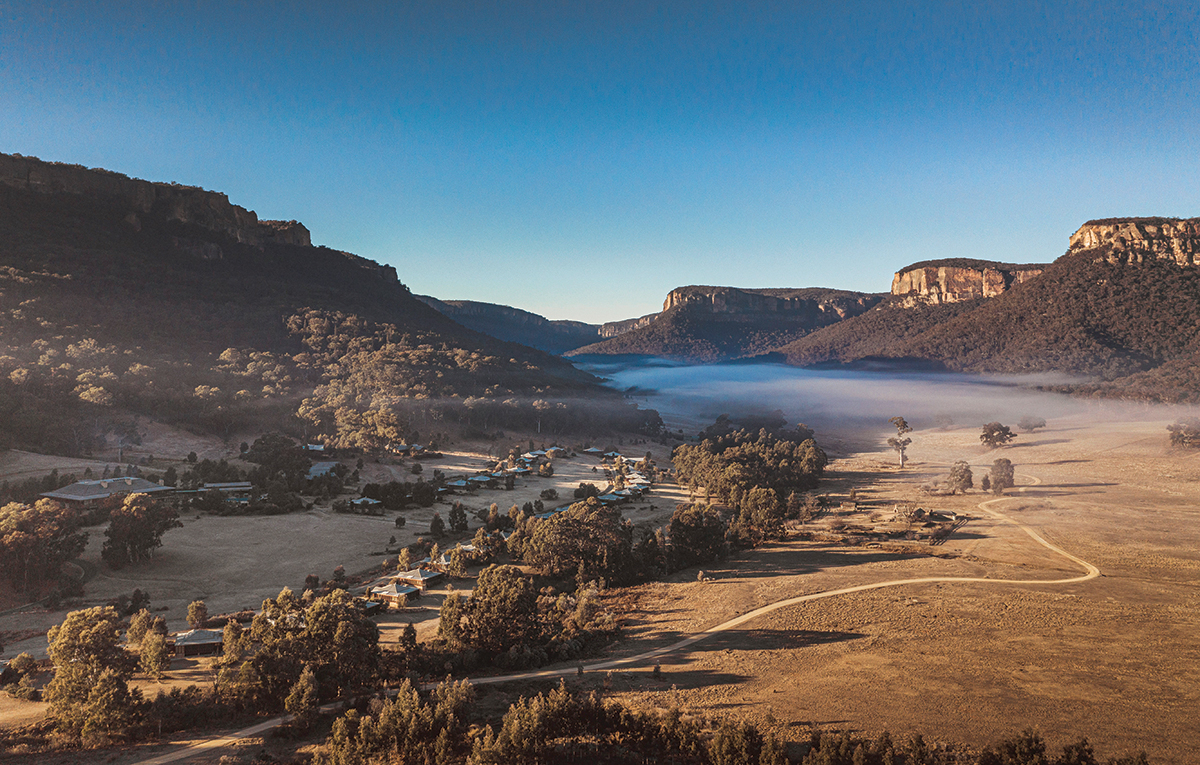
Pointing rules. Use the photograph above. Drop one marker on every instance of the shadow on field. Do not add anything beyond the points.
(781, 562)
(770, 640)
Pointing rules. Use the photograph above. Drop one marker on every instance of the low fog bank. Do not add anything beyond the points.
(847, 403)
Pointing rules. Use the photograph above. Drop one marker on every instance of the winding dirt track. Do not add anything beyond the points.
(642, 658)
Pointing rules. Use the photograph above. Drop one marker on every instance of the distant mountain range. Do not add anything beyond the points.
(1121, 307)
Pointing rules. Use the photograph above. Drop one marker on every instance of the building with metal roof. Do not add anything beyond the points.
(83, 493)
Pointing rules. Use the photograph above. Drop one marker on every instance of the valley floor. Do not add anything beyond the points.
(1114, 658)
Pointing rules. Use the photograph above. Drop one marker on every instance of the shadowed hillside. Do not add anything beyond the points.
(122, 297)
(515, 325)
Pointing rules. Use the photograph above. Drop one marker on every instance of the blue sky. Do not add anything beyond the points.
(580, 159)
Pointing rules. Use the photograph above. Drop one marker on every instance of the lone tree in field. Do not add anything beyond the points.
(1002, 475)
(136, 528)
(1030, 424)
(1185, 432)
(995, 435)
(900, 443)
(961, 478)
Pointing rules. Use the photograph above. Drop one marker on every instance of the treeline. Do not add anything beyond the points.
(570, 726)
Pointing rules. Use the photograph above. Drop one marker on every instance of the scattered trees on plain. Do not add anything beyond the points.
(1185, 432)
(961, 478)
(995, 435)
(1030, 423)
(1001, 475)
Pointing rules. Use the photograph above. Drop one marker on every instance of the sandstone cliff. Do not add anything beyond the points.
(936, 282)
(614, 328)
(732, 302)
(1136, 240)
(188, 204)
(700, 323)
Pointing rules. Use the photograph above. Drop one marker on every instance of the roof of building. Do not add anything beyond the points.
(365, 501)
(593, 450)
(419, 575)
(394, 590)
(320, 469)
(81, 491)
(230, 486)
(199, 637)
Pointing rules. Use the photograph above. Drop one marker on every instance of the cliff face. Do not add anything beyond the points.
(953, 281)
(1136, 240)
(187, 204)
(700, 323)
(800, 303)
(614, 328)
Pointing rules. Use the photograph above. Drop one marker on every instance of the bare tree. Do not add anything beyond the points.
(900, 443)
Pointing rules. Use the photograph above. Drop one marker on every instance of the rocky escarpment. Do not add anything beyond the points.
(936, 282)
(1136, 240)
(700, 323)
(614, 328)
(188, 204)
(732, 302)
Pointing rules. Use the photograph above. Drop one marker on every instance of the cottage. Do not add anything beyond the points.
(199, 642)
(396, 594)
(87, 493)
(365, 503)
(593, 451)
(420, 578)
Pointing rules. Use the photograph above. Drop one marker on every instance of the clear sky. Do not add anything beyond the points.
(581, 158)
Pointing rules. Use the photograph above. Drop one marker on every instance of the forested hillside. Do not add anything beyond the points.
(112, 306)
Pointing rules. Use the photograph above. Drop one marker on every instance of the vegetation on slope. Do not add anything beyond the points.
(104, 314)
(1117, 322)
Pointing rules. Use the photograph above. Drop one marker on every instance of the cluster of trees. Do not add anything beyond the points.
(36, 539)
(30, 489)
(761, 475)
(396, 495)
(135, 530)
(555, 726)
(508, 622)
(327, 635)
(1026, 748)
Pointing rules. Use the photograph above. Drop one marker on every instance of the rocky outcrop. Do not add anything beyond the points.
(936, 282)
(614, 328)
(188, 204)
(1136, 240)
(733, 302)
